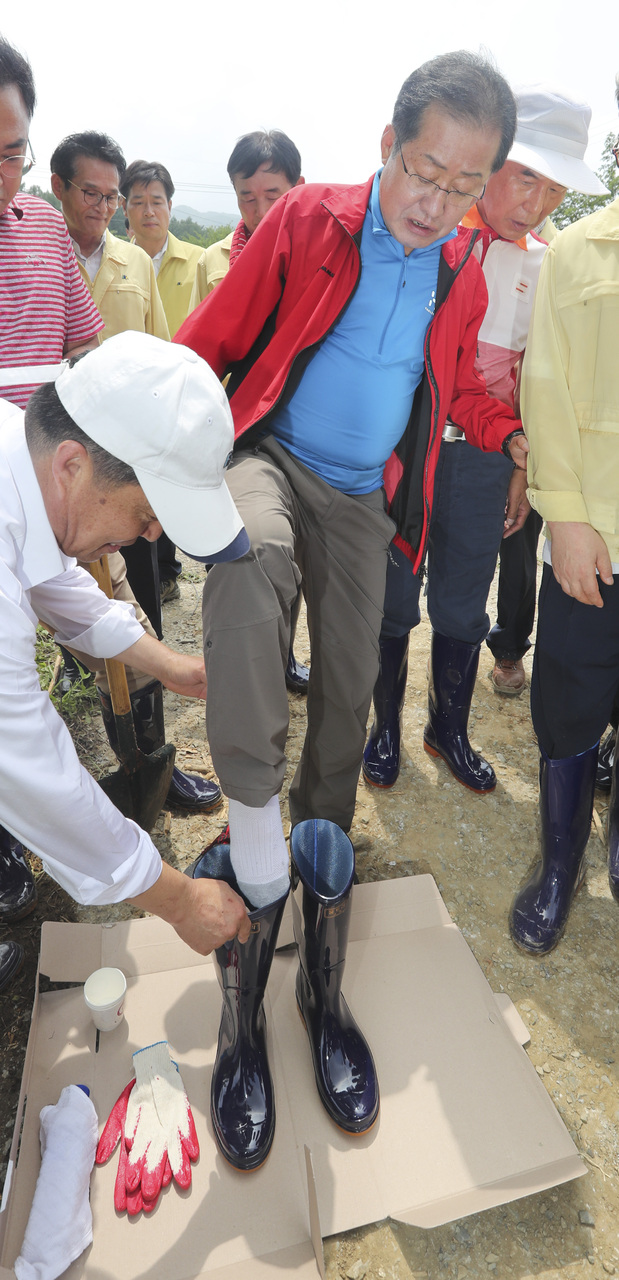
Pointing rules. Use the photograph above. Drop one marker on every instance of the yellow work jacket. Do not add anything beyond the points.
(125, 292)
(212, 267)
(175, 280)
(570, 378)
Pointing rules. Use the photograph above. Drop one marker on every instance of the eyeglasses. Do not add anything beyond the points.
(459, 199)
(14, 166)
(95, 198)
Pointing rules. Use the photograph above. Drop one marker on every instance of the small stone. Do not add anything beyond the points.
(540, 1071)
(461, 1234)
(358, 1270)
(492, 1257)
(608, 1267)
(585, 1218)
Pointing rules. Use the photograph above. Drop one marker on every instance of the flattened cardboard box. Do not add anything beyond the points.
(465, 1122)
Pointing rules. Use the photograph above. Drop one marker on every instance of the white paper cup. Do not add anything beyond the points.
(104, 993)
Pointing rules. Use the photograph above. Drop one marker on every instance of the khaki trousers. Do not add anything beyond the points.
(304, 532)
(121, 591)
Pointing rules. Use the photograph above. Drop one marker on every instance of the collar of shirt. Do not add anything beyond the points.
(41, 555)
(158, 258)
(374, 213)
(93, 261)
(474, 219)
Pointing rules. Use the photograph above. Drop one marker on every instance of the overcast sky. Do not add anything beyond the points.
(326, 73)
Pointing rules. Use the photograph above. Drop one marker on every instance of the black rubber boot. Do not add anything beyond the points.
(242, 1100)
(11, 961)
(324, 860)
(454, 669)
(540, 909)
(187, 791)
(18, 894)
(381, 758)
(297, 674)
(72, 671)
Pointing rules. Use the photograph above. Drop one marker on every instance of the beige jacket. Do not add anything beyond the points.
(125, 291)
(176, 278)
(570, 380)
(212, 267)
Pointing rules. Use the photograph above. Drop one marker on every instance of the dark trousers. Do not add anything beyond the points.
(576, 668)
(169, 566)
(466, 528)
(143, 577)
(509, 637)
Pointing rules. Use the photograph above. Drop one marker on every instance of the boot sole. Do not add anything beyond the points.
(436, 755)
(193, 808)
(350, 1133)
(380, 786)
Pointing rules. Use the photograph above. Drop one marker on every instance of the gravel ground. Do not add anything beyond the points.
(478, 849)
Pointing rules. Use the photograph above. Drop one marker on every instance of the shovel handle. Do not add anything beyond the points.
(115, 671)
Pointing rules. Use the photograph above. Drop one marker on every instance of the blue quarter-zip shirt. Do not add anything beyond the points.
(354, 399)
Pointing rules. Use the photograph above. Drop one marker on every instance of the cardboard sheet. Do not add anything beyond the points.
(465, 1122)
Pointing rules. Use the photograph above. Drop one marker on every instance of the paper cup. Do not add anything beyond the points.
(104, 993)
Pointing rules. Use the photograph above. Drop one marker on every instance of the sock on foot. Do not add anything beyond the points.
(258, 851)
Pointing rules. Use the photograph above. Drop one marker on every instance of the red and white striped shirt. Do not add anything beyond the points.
(44, 303)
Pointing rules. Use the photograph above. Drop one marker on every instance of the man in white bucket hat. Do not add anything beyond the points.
(133, 438)
(470, 518)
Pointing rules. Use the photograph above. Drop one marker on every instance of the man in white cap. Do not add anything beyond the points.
(570, 392)
(473, 489)
(134, 437)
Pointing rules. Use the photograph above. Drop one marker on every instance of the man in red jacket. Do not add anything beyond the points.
(349, 328)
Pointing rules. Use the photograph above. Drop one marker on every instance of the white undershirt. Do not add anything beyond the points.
(93, 262)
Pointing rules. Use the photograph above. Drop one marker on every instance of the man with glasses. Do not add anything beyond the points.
(349, 326)
(469, 519)
(45, 313)
(87, 169)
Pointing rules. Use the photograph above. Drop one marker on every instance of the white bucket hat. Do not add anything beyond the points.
(552, 136)
(160, 408)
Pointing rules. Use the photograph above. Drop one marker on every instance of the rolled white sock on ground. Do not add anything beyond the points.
(258, 851)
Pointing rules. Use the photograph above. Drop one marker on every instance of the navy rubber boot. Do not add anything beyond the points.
(454, 669)
(539, 911)
(324, 861)
(613, 825)
(18, 893)
(606, 759)
(242, 1099)
(381, 758)
(297, 674)
(188, 791)
(11, 961)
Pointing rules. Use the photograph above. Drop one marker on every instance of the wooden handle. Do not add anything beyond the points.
(115, 671)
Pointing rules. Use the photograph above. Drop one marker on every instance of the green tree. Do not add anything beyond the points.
(195, 234)
(577, 206)
(43, 195)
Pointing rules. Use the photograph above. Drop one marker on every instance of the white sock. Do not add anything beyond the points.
(258, 851)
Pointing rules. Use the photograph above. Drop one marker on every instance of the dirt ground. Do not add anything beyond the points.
(478, 849)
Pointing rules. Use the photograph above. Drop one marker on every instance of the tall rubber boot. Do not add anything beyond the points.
(381, 758)
(540, 909)
(242, 1100)
(187, 790)
(18, 893)
(297, 674)
(613, 828)
(454, 669)
(324, 860)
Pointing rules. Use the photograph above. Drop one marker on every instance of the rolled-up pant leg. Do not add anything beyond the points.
(121, 591)
(297, 524)
(246, 619)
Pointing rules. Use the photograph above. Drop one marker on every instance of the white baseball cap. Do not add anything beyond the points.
(160, 408)
(552, 136)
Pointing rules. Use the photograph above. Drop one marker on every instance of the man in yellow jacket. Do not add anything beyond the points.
(87, 169)
(570, 402)
(147, 191)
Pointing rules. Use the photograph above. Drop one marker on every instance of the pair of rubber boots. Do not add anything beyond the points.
(187, 791)
(453, 667)
(242, 1099)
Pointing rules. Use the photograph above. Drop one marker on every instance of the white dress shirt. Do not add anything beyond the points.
(47, 799)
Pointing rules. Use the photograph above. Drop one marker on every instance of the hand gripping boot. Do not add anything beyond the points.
(540, 909)
(187, 790)
(18, 893)
(242, 1100)
(454, 668)
(324, 860)
(381, 758)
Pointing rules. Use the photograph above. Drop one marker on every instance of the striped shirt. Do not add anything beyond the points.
(44, 303)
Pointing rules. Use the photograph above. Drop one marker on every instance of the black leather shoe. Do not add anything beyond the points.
(11, 961)
(297, 674)
(194, 794)
(18, 894)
